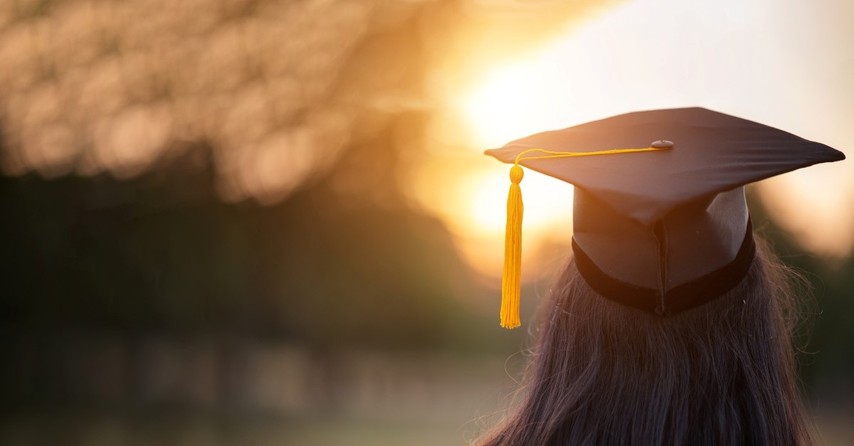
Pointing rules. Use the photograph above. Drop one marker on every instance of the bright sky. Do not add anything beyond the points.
(783, 63)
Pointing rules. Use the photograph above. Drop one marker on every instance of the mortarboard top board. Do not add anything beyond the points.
(660, 223)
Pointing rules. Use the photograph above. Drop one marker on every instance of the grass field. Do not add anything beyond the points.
(373, 400)
(90, 429)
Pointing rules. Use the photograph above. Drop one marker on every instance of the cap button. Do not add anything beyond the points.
(662, 144)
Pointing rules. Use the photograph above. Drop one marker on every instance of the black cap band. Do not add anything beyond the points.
(676, 300)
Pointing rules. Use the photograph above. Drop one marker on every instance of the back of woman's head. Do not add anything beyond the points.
(720, 374)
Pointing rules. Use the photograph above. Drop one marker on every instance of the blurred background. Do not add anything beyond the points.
(271, 223)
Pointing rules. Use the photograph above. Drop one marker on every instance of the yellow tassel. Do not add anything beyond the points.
(510, 281)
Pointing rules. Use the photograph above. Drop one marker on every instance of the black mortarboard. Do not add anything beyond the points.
(660, 222)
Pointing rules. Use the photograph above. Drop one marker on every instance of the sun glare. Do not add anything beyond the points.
(494, 108)
(511, 102)
(548, 202)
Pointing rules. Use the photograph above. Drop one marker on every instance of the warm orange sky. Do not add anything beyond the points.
(785, 64)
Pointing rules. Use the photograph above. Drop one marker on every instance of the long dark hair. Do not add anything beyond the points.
(720, 374)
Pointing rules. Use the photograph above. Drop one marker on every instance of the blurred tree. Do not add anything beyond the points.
(312, 108)
(278, 89)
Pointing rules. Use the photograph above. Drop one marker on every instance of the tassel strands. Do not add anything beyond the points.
(511, 279)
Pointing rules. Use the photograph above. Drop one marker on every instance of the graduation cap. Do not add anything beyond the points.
(660, 218)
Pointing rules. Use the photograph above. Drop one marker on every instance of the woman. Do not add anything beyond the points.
(670, 326)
